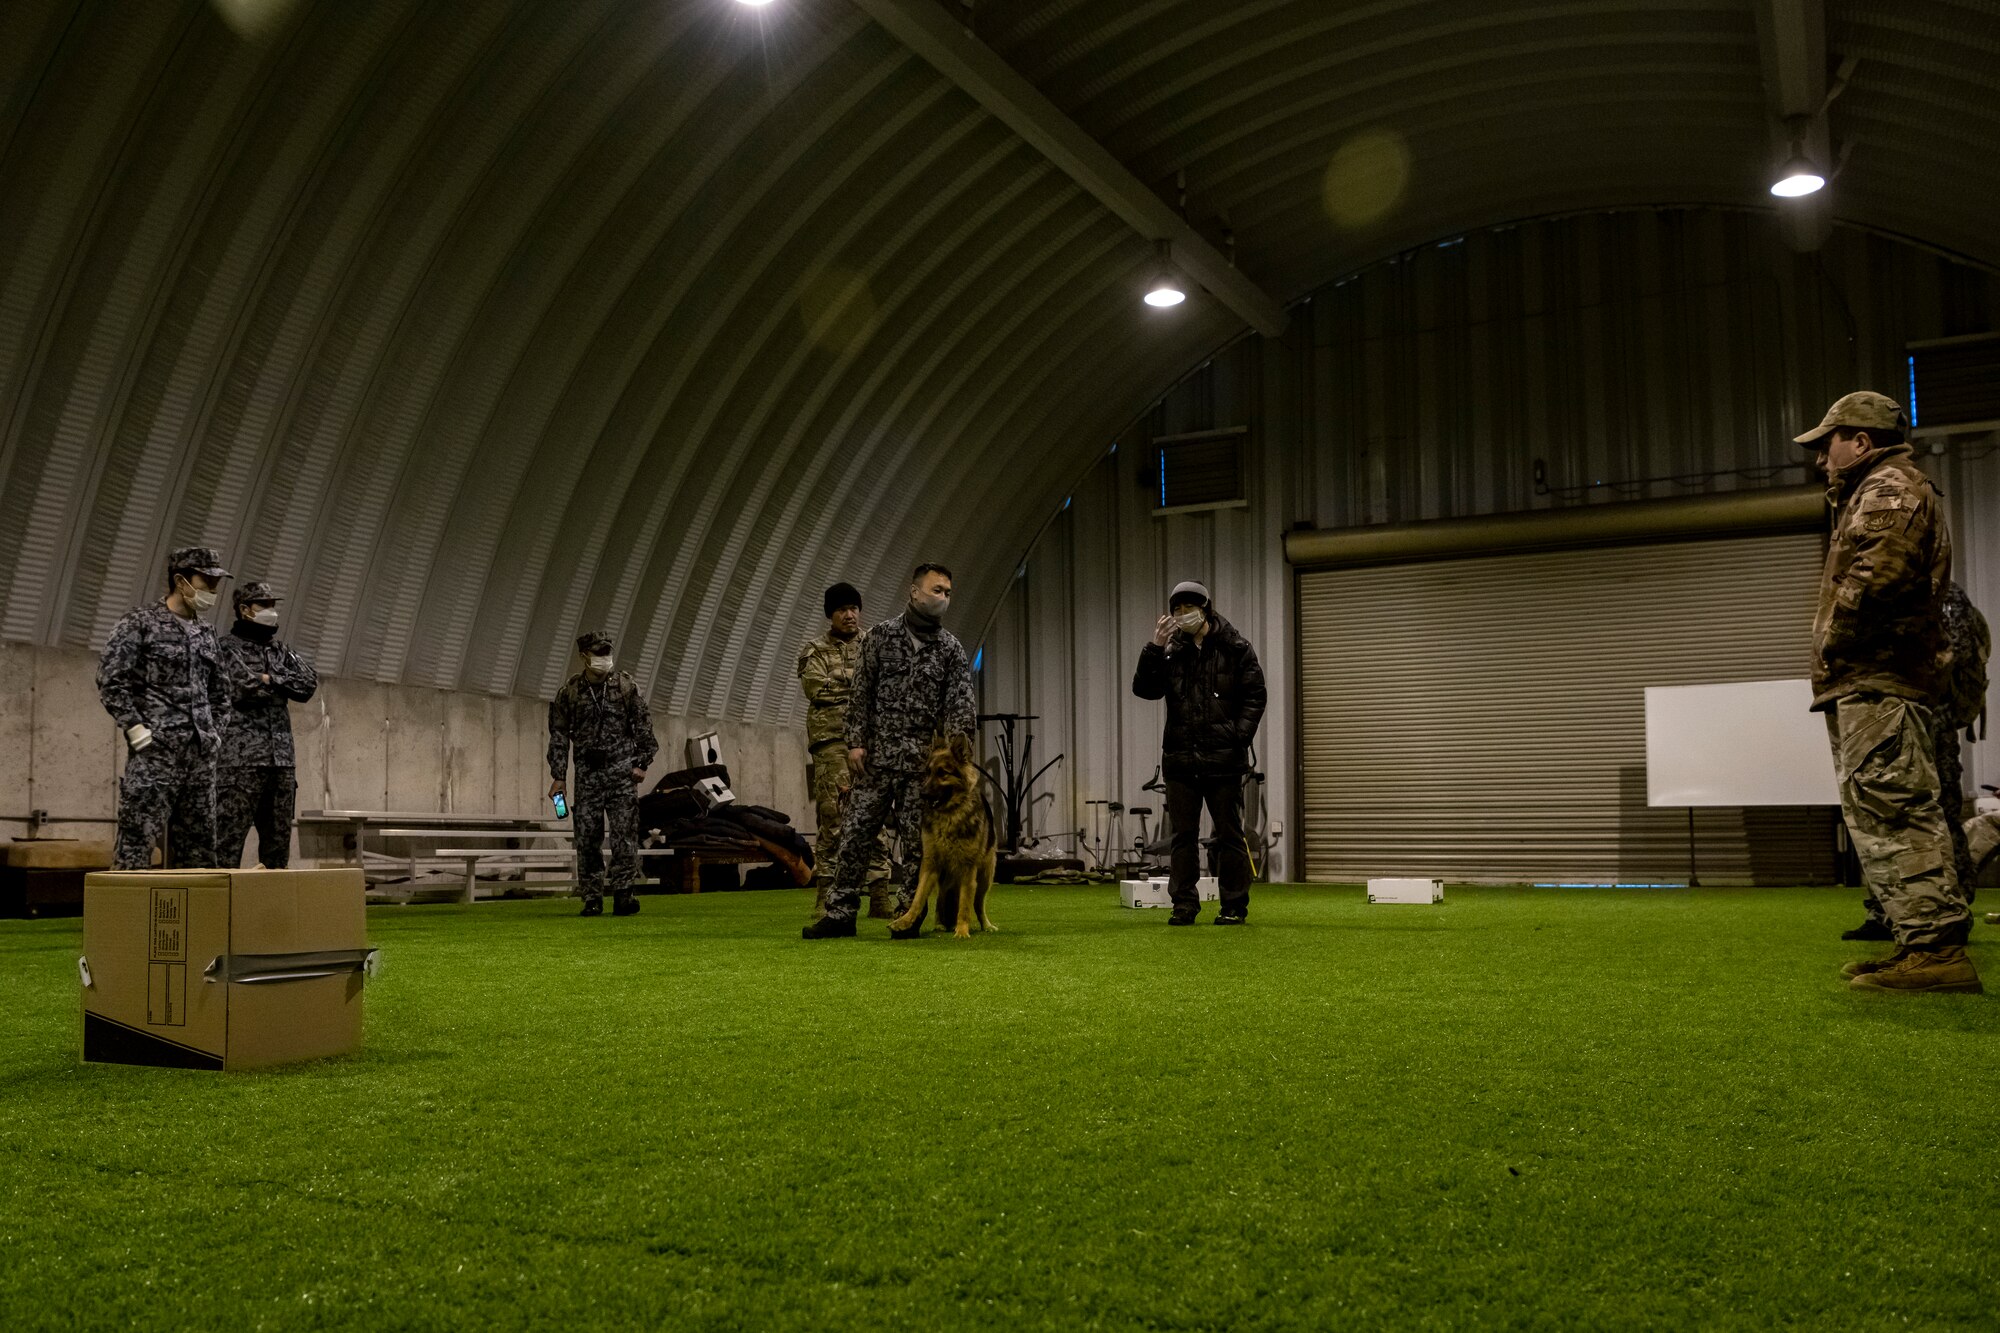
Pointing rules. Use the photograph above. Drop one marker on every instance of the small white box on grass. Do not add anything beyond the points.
(1208, 889)
(1405, 890)
(1143, 893)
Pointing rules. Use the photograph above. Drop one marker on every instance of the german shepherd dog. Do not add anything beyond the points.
(960, 844)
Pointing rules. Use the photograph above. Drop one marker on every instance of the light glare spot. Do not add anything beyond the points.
(1366, 178)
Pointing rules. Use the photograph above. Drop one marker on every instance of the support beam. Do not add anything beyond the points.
(1791, 38)
(924, 27)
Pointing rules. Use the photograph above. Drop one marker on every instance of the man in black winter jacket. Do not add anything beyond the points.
(1214, 688)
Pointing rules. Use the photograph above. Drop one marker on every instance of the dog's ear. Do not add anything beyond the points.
(961, 748)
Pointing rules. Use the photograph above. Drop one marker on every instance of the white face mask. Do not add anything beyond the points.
(1192, 619)
(601, 665)
(201, 599)
(268, 617)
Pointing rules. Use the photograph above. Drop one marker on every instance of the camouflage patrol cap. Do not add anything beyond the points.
(197, 560)
(593, 641)
(1861, 410)
(254, 591)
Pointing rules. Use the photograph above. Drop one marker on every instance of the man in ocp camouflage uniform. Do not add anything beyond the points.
(1876, 653)
(1960, 706)
(601, 713)
(913, 684)
(826, 672)
(258, 779)
(161, 677)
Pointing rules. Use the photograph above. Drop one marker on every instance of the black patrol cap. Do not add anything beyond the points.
(204, 560)
(254, 591)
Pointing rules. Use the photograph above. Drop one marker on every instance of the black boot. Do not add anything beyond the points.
(592, 907)
(1871, 929)
(625, 904)
(1183, 916)
(829, 928)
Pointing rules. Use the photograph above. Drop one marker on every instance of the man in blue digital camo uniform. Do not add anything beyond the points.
(161, 678)
(257, 782)
(913, 683)
(601, 713)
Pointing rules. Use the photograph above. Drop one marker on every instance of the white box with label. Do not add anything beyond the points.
(1405, 890)
(1143, 893)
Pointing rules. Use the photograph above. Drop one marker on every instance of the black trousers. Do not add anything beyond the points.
(265, 797)
(1223, 795)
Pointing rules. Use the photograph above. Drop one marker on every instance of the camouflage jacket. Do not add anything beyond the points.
(1877, 630)
(260, 723)
(166, 674)
(608, 723)
(905, 692)
(1968, 643)
(826, 670)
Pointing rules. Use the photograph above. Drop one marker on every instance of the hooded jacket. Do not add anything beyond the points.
(1215, 699)
(1878, 629)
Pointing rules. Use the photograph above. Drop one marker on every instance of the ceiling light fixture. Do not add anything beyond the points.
(754, 4)
(1798, 176)
(1166, 290)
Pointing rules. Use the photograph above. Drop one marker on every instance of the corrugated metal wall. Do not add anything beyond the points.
(1483, 719)
(1611, 347)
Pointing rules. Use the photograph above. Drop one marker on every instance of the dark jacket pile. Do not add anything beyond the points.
(671, 816)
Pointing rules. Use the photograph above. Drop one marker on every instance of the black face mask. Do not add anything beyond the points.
(921, 622)
(254, 632)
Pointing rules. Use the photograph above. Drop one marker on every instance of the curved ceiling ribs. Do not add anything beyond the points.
(470, 324)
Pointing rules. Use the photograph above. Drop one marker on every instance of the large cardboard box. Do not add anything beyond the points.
(222, 969)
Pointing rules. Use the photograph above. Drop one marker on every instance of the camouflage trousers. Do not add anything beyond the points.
(829, 775)
(1889, 795)
(167, 790)
(879, 802)
(605, 807)
(266, 797)
(1951, 795)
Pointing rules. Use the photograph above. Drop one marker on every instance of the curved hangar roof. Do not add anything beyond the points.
(471, 324)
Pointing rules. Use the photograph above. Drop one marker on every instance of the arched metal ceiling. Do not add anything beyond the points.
(473, 323)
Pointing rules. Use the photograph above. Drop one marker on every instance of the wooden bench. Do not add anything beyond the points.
(691, 863)
(476, 859)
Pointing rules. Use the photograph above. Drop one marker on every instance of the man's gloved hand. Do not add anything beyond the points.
(138, 737)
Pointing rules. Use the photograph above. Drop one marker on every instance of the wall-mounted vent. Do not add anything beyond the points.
(1203, 470)
(1955, 382)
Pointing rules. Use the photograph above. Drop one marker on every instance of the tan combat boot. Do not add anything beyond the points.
(1861, 967)
(1942, 967)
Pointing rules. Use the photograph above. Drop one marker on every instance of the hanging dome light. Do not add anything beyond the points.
(1166, 289)
(754, 4)
(1798, 177)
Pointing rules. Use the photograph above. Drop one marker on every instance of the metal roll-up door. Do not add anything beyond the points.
(1483, 719)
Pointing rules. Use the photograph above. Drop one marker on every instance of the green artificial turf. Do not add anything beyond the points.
(1524, 1108)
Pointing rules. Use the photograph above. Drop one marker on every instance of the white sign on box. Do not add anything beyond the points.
(1405, 890)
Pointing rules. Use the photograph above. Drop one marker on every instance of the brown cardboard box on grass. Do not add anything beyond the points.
(222, 969)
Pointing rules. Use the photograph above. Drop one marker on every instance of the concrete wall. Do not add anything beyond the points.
(1659, 354)
(361, 746)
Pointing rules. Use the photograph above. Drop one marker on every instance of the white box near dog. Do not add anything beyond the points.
(1153, 892)
(1143, 893)
(1405, 890)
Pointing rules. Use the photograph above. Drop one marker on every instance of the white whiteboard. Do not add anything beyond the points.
(1754, 743)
